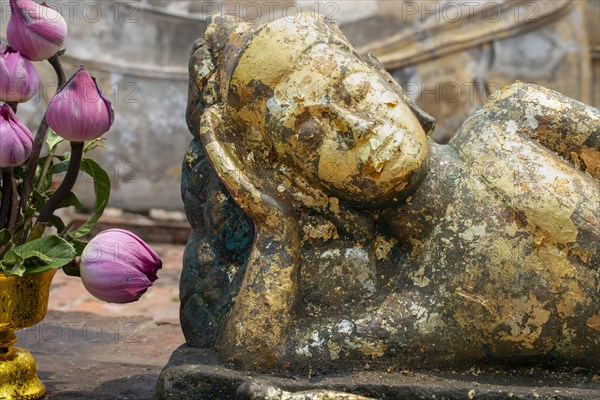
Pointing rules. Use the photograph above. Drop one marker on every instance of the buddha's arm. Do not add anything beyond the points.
(559, 123)
(264, 308)
(550, 194)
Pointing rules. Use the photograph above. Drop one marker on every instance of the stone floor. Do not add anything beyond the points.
(196, 374)
(87, 349)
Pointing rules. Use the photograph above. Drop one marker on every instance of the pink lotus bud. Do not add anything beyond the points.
(118, 267)
(35, 30)
(18, 79)
(16, 140)
(80, 111)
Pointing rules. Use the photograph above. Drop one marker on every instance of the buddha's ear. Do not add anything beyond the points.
(426, 121)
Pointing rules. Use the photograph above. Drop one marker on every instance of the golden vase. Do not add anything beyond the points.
(23, 303)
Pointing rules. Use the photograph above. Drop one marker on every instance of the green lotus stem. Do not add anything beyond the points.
(7, 174)
(67, 184)
(14, 205)
(40, 138)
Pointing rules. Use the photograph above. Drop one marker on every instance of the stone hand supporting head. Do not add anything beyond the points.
(292, 98)
(298, 94)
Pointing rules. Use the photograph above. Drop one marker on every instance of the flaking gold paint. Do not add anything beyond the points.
(496, 245)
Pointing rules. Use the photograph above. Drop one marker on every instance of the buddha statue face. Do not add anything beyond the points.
(331, 116)
(340, 122)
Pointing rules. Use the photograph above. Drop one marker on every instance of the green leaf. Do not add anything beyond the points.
(43, 182)
(14, 256)
(57, 223)
(39, 255)
(18, 270)
(59, 168)
(25, 262)
(53, 140)
(79, 245)
(102, 191)
(27, 255)
(38, 199)
(35, 200)
(70, 200)
(4, 269)
(17, 261)
(94, 144)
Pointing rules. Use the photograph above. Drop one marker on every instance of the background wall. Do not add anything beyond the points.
(138, 50)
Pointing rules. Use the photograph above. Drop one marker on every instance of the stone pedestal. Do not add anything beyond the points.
(194, 373)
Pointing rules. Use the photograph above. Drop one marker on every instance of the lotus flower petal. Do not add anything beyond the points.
(80, 111)
(35, 30)
(16, 141)
(18, 78)
(118, 267)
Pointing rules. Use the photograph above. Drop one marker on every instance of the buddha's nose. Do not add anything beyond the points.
(360, 126)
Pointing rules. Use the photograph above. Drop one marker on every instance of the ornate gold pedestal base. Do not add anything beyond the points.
(18, 376)
(23, 302)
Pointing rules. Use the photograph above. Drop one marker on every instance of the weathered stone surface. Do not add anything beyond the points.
(330, 233)
(333, 237)
(194, 373)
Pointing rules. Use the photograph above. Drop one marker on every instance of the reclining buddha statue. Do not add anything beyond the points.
(330, 231)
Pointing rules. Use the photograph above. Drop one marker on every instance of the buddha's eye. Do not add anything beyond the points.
(357, 85)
